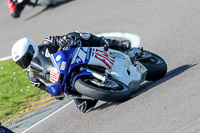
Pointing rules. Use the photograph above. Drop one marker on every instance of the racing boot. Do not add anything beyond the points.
(123, 45)
(60, 98)
(85, 105)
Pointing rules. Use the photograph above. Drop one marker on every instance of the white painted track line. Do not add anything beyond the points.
(64, 106)
(6, 58)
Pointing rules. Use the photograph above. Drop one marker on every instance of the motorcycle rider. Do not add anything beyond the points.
(15, 7)
(24, 52)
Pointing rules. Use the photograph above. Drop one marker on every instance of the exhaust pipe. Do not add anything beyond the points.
(95, 74)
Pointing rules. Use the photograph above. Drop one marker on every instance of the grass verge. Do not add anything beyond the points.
(16, 91)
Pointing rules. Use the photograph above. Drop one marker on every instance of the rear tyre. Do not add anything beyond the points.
(112, 90)
(156, 66)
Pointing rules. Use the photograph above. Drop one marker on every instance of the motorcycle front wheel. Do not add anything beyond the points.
(111, 90)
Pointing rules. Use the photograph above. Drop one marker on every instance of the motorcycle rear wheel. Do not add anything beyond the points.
(112, 91)
(157, 67)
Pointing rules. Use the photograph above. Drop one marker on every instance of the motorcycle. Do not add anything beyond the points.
(15, 7)
(101, 73)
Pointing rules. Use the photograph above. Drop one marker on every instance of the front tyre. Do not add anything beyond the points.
(111, 90)
(156, 66)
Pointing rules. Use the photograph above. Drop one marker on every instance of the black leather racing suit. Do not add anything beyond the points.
(53, 44)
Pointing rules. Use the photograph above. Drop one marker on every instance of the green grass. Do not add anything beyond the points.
(16, 91)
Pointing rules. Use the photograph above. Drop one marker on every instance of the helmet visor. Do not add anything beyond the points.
(25, 60)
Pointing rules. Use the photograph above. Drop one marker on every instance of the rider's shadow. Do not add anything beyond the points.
(151, 84)
(47, 8)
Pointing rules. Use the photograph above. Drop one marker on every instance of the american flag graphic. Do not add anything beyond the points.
(54, 75)
(104, 57)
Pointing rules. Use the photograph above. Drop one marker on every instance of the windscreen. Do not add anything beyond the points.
(44, 69)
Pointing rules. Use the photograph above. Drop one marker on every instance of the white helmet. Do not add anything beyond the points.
(23, 51)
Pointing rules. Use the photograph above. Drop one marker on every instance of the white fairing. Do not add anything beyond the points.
(118, 65)
(124, 71)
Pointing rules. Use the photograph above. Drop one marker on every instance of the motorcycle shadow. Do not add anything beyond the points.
(151, 84)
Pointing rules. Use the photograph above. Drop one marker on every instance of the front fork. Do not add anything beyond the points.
(87, 72)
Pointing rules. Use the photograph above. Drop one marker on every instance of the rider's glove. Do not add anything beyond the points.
(66, 41)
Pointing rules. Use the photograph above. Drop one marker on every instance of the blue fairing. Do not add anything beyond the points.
(65, 62)
(80, 74)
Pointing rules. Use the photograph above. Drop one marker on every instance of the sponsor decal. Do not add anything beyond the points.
(104, 57)
(78, 60)
(58, 57)
(54, 75)
(63, 65)
(53, 89)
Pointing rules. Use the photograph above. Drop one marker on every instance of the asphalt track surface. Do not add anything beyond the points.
(167, 28)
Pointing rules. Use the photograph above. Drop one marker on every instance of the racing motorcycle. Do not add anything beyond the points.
(101, 73)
